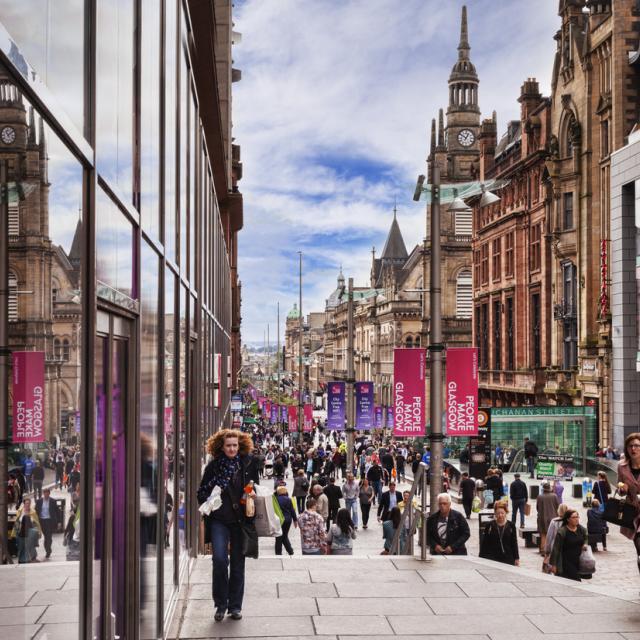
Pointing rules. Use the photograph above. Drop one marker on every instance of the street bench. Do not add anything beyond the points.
(527, 535)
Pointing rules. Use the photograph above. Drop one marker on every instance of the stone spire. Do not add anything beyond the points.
(394, 247)
(433, 138)
(31, 135)
(463, 47)
(441, 143)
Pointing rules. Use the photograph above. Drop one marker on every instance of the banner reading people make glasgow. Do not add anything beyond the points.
(28, 396)
(293, 418)
(409, 416)
(462, 392)
(336, 406)
(364, 405)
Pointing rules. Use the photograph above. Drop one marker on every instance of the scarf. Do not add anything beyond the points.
(226, 470)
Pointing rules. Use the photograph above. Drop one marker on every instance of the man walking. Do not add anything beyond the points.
(350, 493)
(447, 529)
(530, 453)
(374, 476)
(518, 494)
(29, 466)
(390, 499)
(467, 492)
(49, 515)
(38, 479)
(334, 494)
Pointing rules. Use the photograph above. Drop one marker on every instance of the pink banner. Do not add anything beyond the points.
(462, 392)
(308, 417)
(409, 392)
(293, 418)
(28, 396)
(168, 420)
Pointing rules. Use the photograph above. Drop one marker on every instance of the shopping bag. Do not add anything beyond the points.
(487, 494)
(527, 509)
(267, 521)
(587, 563)
(476, 505)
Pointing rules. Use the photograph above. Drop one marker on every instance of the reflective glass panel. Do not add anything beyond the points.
(170, 128)
(50, 35)
(46, 428)
(184, 151)
(114, 93)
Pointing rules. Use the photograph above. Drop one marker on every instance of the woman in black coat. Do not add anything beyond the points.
(500, 540)
(232, 469)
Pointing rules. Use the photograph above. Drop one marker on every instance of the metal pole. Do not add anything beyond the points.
(268, 360)
(435, 341)
(351, 407)
(300, 416)
(4, 361)
(278, 376)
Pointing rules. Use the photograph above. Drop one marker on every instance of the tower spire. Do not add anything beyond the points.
(463, 47)
(441, 128)
(433, 136)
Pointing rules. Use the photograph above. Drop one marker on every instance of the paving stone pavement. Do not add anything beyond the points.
(334, 597)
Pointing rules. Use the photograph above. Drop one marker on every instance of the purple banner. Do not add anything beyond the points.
(389, 424)
(275, 412)
(336, 406)
(283, 413)
(378, 417)
(364, 405)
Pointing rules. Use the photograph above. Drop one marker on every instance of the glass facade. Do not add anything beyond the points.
(117, 303)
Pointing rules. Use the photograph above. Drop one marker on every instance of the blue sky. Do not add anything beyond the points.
(333, 115)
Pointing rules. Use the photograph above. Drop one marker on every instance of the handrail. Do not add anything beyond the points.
(419, 480)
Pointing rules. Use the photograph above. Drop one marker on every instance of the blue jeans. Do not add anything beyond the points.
(530, 465)
(377, 489)
(228, 582)
(352, 506)
(518, 505)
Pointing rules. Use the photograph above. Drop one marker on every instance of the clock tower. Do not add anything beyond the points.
(463, 114)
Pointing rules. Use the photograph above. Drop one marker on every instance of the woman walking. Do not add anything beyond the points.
(342, 534)
(27, 531)
(366, 498)
(300, 489)
(500, 541)
(629, 485)
(602, 488)
(290, 516)
(232, 469)
(570, 540)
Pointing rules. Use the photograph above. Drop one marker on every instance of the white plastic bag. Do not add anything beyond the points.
(266, 521)
(587, 563)
(213, 502)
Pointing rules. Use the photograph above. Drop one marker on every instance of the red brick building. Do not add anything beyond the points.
(511, 258)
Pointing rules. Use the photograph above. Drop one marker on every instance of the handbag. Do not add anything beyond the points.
(619, 511)
(250, 547)
(527, 509)
(587, 563)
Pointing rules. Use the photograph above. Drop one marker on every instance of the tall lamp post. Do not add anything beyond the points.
(301, 326)
(351, 406)
(454, 196)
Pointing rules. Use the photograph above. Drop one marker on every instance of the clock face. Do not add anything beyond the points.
(8, 135)
(466, 137)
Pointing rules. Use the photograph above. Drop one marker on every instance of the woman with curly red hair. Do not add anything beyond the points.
(231, 469)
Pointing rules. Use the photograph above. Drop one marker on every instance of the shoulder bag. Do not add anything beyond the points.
(618, 511)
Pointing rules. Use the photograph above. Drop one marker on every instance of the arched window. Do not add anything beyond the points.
(66, 354)
(416, 344)
(464, 294)
(13, 297)
(57, 349)
(409, 342)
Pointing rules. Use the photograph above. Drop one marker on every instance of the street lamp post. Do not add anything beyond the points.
(350, 381)
(455, 196)
(300, 406)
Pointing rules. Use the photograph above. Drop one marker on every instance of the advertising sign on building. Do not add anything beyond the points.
(409, 416)
(462, 392)
(236, 402)
(308, 417)
(378, 417)
(28, 396)
(364, 405)
(293, 418)
(560, 467)
(336, 406)
(283, 413)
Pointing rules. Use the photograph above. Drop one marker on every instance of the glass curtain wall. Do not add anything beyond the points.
(118, 307)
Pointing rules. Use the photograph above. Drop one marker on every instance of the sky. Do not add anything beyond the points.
(333, 116)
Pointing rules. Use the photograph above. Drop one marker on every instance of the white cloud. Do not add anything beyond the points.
(333, 115)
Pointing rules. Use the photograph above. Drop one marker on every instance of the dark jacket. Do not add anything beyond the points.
(530, 449)
(494, 483)
(518, 490)
(334, 494)
(558, 547)
(457, 532)
(467, 489)
(231, 510)
(54, 512)
(375, 473)
(595, 524)
(300, 486)
(493, 548)
(383, 507)
(288, 510)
